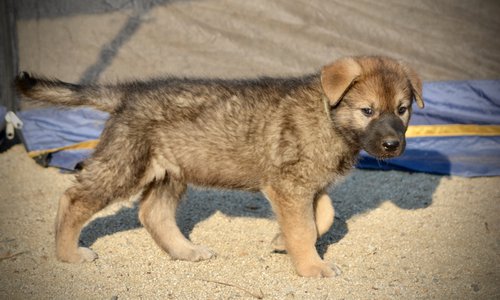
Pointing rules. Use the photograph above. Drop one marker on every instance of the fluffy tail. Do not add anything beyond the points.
(105, 98)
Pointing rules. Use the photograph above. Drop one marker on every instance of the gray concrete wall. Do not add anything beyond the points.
(77, 40)
(106, 40)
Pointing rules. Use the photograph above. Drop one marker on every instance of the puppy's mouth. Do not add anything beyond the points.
(386, 148)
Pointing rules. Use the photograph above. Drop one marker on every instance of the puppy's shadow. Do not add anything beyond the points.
(123, 220)
(366, 190)
(198, 205)
(360, 192)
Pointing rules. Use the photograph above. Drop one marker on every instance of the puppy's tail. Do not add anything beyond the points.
(40, 89)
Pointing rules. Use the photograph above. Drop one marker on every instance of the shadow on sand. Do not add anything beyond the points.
(359, 193)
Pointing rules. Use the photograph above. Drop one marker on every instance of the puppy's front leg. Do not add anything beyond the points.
(296, 219)
(324, 216)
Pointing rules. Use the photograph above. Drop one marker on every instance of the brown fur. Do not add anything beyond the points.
(289, 138)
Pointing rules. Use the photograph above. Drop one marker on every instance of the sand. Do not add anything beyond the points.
(396, 234)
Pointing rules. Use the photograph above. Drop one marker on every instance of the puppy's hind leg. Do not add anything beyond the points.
(111, 174)
(157, 214)
(99, 184)
(74, 210)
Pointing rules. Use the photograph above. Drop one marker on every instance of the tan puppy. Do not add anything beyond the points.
(289, 138)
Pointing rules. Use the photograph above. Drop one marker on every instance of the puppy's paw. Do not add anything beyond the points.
(86, 254)
(80, 255)
(318, 270)
(278, 244)
(195, 253)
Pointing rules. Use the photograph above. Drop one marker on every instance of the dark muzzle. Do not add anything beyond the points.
(385, 137)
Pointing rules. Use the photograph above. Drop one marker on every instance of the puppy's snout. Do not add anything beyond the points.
(391, 145)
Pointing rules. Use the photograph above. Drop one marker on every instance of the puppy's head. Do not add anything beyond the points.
(370, 101)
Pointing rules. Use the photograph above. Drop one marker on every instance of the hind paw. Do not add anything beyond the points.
(80, 255)
(195, 253)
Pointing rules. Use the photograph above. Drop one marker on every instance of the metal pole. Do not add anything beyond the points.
(8, 54)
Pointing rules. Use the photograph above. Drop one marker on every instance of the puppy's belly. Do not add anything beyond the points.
(215, 159)
(223, 175)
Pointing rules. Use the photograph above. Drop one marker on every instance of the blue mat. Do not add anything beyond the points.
(61, 138)
(458, 132)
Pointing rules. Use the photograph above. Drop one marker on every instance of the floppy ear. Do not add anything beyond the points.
(338, 77)
(416, 85)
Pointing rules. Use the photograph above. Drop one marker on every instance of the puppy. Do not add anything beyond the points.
(289, 138)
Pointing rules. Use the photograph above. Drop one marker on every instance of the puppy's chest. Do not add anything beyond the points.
(333, 161)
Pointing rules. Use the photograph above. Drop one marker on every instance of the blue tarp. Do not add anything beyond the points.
(449, 102)
(52, 128)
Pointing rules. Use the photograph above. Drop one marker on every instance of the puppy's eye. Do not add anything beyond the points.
(402, 110)
(367, 111)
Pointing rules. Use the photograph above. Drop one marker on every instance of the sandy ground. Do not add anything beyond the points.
(396, 235)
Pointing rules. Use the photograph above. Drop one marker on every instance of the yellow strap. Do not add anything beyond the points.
(452, 130)
(91, 144)
(413, 131)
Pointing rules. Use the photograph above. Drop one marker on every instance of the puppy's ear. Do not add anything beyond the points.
(416, 85)
(338, 77)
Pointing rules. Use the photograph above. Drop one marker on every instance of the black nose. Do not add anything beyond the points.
(390, 145)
